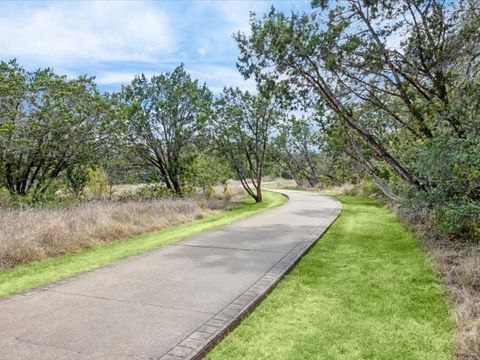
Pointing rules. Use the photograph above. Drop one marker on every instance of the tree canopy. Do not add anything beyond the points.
(164, 122)
(48, 124)
(242, 128)
(399, 77)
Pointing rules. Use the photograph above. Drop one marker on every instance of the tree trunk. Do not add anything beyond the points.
(352, 122)
(258, 188)
(177, 188)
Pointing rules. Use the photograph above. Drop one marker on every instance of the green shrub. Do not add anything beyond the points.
(5, 198)
(206, 172)
(98, 185)
(462, 219)
(53, 196)
(368, 188)
(77, 179)
(451, 173)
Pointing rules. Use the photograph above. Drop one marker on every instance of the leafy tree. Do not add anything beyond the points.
(341, 53)
(243, 128)
(164, 119)
(48, 124)
(399, 78)
(298, 148)
(298, 51)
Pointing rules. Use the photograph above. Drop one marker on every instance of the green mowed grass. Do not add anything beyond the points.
(364, 291)
(31, 275)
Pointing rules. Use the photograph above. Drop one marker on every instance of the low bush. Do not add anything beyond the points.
(5, 198)
(460, 219)
(97, 185)
(368, 188)
(344, 189)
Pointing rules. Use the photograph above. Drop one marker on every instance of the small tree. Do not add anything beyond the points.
(242, 128)
(97, 183)
(165, 116)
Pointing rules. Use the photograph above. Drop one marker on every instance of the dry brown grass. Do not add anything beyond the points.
(234, 191)
(38, 233)
(459, 267)
(129, 189)
(344, 189)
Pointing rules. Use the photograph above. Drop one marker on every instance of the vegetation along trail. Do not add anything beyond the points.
(121, 147)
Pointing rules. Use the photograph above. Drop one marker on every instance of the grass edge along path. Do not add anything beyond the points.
(28, 276)
(365, 291)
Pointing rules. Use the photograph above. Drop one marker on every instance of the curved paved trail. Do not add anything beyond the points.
(170, 303)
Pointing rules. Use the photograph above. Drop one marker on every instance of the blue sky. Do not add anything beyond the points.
(113, 41)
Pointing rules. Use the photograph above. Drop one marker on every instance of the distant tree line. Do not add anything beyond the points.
(386, 91)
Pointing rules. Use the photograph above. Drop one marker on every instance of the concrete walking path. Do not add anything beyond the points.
(170, 303)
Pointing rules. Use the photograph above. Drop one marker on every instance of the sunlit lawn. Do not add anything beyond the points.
(365, 291)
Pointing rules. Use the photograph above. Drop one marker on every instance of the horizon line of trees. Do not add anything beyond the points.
(52, 127)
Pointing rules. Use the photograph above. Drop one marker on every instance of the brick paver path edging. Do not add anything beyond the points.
(209, 334)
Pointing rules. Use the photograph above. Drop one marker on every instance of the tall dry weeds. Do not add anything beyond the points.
(38, 233)
(459, 268)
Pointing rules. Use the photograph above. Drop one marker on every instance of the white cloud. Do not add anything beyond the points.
(237, 13)
(115, 40)
(66, 33)
(217, 77)
(114, 78)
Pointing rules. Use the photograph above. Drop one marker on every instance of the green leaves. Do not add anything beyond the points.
(165, 118)
(47, 125)
(242, 130)
(399, 80)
